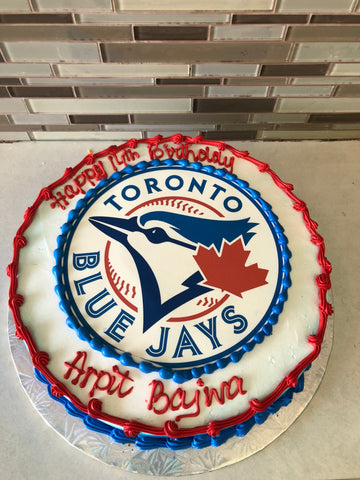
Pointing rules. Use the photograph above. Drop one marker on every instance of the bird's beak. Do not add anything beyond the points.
(116, 228)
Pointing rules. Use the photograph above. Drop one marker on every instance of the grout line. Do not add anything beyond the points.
(53, 70)
(355, 6)
(101, 59)
(291, 52)
(334, 90)
(32, 9)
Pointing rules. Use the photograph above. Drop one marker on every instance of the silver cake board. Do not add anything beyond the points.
(162, 461)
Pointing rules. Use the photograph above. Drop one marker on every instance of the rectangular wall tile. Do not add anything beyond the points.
(84, 105)
(19, 128)
(301, 91)
(39, 119)
(248, 32)
(117, 70)
(216, 105)
(242, 91)
(228, 135)
(267, 81)
(324, 80)
(153, 18)
(345, 126)
(188, 81)
(13, 136)
(245, 126)
(225, 70)
(309, 135)
(76, 119)
(348, 91)
(341, 69)
(85, 135)
(88, 81)
(190, 5)
(14, 6)
(318, 105)
(169, 132)
(23, 18)
(47, 92)
(279, 118)
(213, 118)
(4, 92)
(291, 70)
(12, 105)
(335, 118)
(313, 6)
(164, 127)
(160, 33)
(51, 52)
(201, 51)
(165, 91)
(72, 5)
(87, 127)
(273, 18)
(25, 70)
(328, 33)
(335, 19)
(327, 52)
(65, 33)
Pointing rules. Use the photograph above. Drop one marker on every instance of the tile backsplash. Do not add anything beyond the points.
(229, 70)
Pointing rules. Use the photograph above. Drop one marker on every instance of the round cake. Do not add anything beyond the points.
(171, 291)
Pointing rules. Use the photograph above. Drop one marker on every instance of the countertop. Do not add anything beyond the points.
(324, 442)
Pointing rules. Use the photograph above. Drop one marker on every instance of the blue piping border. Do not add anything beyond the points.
(178, 376)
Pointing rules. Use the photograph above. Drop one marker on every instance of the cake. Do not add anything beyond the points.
(171, 292)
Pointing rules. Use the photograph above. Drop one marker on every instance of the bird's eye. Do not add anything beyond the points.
(156, 232)
(158, 235)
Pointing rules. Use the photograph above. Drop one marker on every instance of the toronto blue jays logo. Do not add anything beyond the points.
(174, 267)
(194, 232)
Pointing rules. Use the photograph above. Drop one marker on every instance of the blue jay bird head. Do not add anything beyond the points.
(119, 229)
(194, 230)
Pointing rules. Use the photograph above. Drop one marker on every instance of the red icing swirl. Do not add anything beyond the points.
(16, 300)
(178, 138)
(291, 380)
(41, 359)
(58, 390)
(19, 241)
(265, 167)
(94, 406)
(213, 429)
(45, 193)
(132, 143)
(90, 159)
(131, 429)
(171, 429)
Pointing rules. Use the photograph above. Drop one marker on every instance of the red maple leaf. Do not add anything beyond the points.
(228, 271)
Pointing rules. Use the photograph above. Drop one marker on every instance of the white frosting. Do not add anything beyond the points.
(262, 369)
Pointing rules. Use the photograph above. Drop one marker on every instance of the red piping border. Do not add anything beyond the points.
(132, 428)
